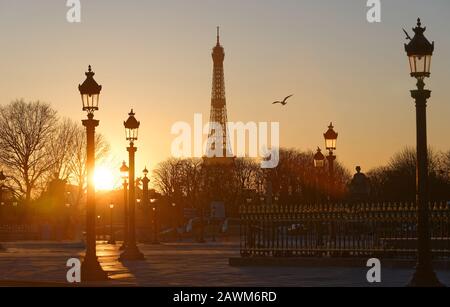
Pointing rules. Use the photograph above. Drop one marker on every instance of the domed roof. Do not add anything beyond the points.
(131, 122)
(90, 86)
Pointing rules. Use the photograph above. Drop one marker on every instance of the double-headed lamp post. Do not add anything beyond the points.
(90, 92)
(124, 174)
(131, 251)
(419, 51)
(330, 145)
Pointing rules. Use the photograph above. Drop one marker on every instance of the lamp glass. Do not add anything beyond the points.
(90, 101)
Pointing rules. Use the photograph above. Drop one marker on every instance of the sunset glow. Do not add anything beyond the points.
(196, 145)
(104, 178)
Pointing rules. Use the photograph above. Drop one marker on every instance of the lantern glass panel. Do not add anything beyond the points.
(330, 144)
(90, 101)
(319, 163)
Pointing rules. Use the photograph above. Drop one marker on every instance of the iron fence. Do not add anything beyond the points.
(340, 230)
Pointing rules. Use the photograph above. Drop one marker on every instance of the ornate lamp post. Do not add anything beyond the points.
(145, 192)
(155, 221)
(131, 251)
(319, 163)
(330, 145)
(145, 182)
(175, 220)
(124, 174)
(111, 226)
(319, 159)
(90, 92)
(419, 51)
(2, 182)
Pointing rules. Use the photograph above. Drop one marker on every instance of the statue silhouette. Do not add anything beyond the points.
(359, 186)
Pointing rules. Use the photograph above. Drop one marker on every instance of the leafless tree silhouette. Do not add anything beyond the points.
(26, 132)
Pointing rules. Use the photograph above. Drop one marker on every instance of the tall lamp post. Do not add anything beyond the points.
(112, 240)
(420, 51)
(2, 182)
(131, 251)
(155, 221)
(90, 92)
(319, 163)
(145, 192)
(145, 182)
(330, 145)
(124, 174)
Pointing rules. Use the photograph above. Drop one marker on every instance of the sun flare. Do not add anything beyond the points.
(103, 178)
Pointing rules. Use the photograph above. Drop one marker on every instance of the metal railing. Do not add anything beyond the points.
(340, 230)
(18, 232)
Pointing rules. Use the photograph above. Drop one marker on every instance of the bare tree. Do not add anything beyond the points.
(26, 131)
(62, 147)
(76, 164)
(167, 176)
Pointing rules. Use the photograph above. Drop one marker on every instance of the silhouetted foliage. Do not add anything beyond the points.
(397, 180)
(190, 183)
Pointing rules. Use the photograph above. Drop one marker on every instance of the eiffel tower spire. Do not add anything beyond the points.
(218, 141)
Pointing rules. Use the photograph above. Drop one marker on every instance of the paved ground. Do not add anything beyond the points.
(180, 264)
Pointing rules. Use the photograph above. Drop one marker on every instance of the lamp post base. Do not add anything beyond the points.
(91, 270)
(425, 277)
(131, 252)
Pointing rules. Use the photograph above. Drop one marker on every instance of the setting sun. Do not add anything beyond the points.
(103, 178)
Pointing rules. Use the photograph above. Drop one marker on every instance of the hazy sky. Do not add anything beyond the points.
(155, 56)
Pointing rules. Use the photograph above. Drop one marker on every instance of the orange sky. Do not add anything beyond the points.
(154, 56)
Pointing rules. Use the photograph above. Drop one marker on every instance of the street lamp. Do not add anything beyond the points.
(319, 159)
(111, 229)
(175, 220)
(155, 221)
(319, 164)
(330, 145)
(145, 182)
(131, 251)
(124, 174)
(2, 182)
(90, 93)
(420, 51)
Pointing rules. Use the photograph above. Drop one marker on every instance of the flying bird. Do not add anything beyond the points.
(407, 35)
(284, 102)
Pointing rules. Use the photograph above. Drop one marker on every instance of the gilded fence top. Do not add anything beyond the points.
(383, 208)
